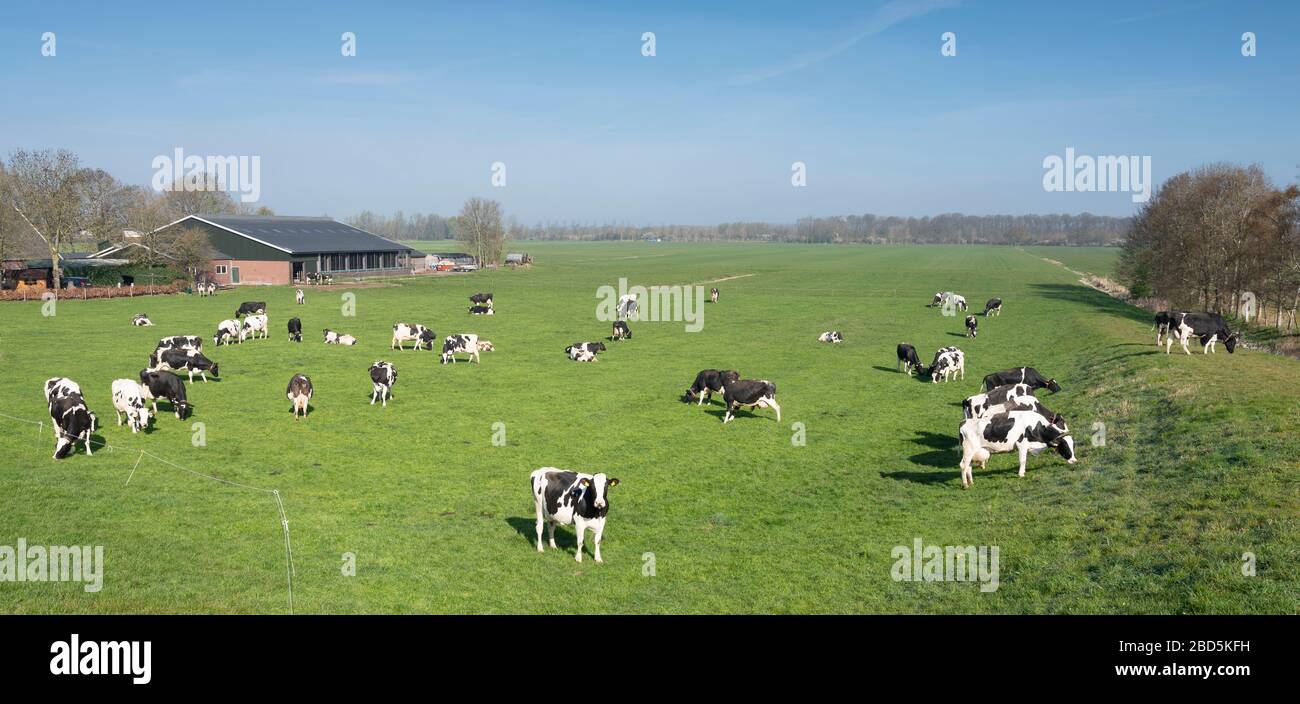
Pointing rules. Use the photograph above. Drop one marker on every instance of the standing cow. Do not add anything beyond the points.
(564, 497)
(229, 331)
(627, 306)
(128, 400)
(949, 362)
(972, 326)
(707, 383)
(908, 359)
(1209, 327)
(73, 421)
(300, 297)
(382, 378)
(749, 393)
(168, 387)
(251, 308)
(481, 299)
(423, 337)
(1003, 432)
(621, 331)
(295, 330)
(256, 326)
(460, 344)
(713, 295)
(1020, 375)
(993, 306)
(299, 391)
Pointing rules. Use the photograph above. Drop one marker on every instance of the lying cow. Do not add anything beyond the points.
(168, 387)
(621, 331)
(564, 497)
(1020, 375)
(481, 310)
(187, 361)
(299, 391)
(228, 331)
(1209, 327)
(481, 299)
(382, 377)
(707, 383)
(993, 306)
(584, 351)
(1003, 432)
(486, 346)
(908, 360)
(749, 393)
(142, 320)
(256, 326)
(949, 362)
(295, 330)
(129, 400)
(830, 336)
(73, 421)
(423, 337)
(460, 344)
(251, 307)
(334, 338)
(971, 326)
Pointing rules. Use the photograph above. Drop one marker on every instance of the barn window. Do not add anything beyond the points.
(221, 268)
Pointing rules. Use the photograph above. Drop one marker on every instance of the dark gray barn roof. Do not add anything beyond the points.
(303, 235)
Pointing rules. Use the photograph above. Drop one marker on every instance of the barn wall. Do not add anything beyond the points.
(263, 272)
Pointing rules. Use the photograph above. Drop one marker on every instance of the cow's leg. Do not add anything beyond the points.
(1185, 339)
(373, 393)
(1024, 456)
(579, 527)
(551, 534)
(773, 404)
(118, 413)
(540, 521)
(596, 532)
(85, 440)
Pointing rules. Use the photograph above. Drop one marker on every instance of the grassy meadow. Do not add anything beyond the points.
(1199, 464)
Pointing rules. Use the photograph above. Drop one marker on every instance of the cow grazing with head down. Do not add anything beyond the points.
(481, 299)
(466, 343)
(187, 361)
(481, 310)
(382, 377)
(713, 295)
(564, 497)
(176, 342)
(949, 362)
(129, 400)
(423, 337)
(256, 326)
(1020, 375)
(295, 330)
(1164, 320)
(142, 320)
(993, 306)
(627, 306)
(972, 326)
(299, 391)
(908, 360)
(749, 393)
(1013, 397)
(229, 331)
(1209, 327)
(251, 308)
(833, 336)
(1023, 431)
(168, 387)
(73, 421)
(621, 331)
(707, 383)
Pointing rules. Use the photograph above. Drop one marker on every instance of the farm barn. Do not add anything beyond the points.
(277, 249)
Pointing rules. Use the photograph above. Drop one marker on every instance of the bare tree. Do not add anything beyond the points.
(479, 227)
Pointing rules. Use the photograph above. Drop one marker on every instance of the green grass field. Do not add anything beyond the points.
(1199, 465)
(1089, 260)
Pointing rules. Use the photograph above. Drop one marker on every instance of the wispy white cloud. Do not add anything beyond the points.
(886, 16)
(365, 78)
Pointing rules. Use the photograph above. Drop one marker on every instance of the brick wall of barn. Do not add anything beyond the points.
(262, 272)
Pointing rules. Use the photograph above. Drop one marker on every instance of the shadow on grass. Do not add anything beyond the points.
(915, 377)
(739, 413)
(1078, 293)
(565, 539)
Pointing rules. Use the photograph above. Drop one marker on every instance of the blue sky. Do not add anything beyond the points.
(704, 132)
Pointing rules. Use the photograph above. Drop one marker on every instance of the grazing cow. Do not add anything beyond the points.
(971, 326)
(713, 295)
(749, 393)
(1163, 320)
(1207, 326)
(128, 399)
(993, 306)
(958, 302)
(707, 383)
(59, 387)
(295, 330)
(256, 326)
(183, 342)
(908, 359)
(299, 391)
(627, 306)
(154, 385)
(949, 362)
(300, 297)
(424, 337)
(251, 307)
(481, 310)
(1002, 432)
(460, 344)
(227, 331)
(485, 346)
(1020, 375)
(187, 361)
(830, 336)
(939, 298)
(621, 331)
(142, 320)
(564, 497)
(481, 299)
(73, 421)
(977, 406)
(334, 338)
(382, 376)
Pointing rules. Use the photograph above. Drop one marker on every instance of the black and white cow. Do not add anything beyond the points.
(295, 330)
(228, 331)
(993, 306)
(563, 497)
(713, 295)
(707, 383)
(423, 337)
(1014, 397)
(584, 351)
(830, 336)
(972, 326)
(168, 387)
(187, 361)
(621, 331)
(256, 326)
(299, 391)
(939, 298)
(382, 376)
(749, 393)
(947, 298)
(182, 342)
(481, 299)
(627, 306)
(1210, 327)
(481, 310)
(949, 362)
(1003, 432)
(1020, 375)
(908, 360)
(73, 421)
(1164, 320)
(142, 320)
(128, 399)
(300, 297)
(453, 345)
(251, 307)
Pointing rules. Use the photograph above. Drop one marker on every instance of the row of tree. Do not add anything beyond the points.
(1221, 238)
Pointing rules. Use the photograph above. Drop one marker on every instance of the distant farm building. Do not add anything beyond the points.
(518, 259)
(277, 249)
